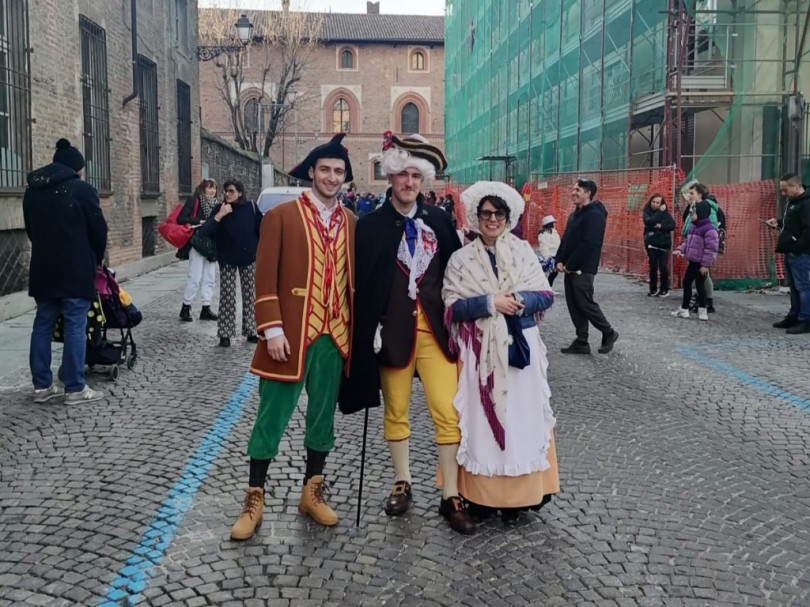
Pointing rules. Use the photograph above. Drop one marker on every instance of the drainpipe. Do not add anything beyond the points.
(135, 70)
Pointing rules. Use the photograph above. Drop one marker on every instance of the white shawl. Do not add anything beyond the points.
(469, 274)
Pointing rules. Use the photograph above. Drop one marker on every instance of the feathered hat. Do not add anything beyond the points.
(413, 151)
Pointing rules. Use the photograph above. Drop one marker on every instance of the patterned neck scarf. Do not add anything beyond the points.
(328, 235)
(207, 205)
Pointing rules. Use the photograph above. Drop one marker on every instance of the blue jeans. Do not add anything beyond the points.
(74, 311)
(800, 272)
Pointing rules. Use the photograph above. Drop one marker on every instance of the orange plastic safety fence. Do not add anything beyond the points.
(748, 259)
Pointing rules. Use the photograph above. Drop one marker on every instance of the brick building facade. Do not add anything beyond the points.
(370, 73)
(69, 73)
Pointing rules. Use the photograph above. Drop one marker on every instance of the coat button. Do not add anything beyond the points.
(415, 312)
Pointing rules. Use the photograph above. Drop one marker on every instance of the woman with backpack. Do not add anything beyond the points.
(658, 227)
(200, 251)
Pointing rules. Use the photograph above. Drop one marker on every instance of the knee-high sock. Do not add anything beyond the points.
(399, 454)
(315, 462)
(449, 464)
(258, 472)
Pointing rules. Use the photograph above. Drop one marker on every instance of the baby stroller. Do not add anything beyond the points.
(112, 309)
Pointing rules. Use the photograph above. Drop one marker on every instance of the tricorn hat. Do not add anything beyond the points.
(333, 149)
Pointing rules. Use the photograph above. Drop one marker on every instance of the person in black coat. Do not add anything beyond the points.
(658, 227)
(578, 258)
(68, 234)
(235, 224)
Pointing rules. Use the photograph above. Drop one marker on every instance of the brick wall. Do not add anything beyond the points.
(56, 107)
(222, 160)
(376, 89)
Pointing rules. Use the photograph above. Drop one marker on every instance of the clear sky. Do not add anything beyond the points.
(409, 7)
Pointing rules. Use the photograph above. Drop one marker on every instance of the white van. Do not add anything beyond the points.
(270, 197)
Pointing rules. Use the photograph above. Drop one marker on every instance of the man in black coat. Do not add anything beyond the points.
(401, 252)
(578, 258)
(794, 244)
(68, 234)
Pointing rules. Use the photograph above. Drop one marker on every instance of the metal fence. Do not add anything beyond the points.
(15, 95)
(150, 142)
(14, 256)
(183, 137)
(95, 103)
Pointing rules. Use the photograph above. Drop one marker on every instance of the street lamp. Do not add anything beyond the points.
(244, 28)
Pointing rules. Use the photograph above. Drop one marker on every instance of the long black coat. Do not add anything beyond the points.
(376, 243)
(68, 233)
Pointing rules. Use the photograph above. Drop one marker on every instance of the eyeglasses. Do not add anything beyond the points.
(487, 215)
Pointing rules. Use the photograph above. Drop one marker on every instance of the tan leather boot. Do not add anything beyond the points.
(312, 503)
(251, 517)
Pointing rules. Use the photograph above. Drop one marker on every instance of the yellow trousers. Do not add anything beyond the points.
(439, 380)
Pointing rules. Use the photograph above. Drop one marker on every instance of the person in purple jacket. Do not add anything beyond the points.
(700, 249)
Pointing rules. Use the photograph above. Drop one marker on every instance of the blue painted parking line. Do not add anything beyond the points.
(750, 380)
(134, 575)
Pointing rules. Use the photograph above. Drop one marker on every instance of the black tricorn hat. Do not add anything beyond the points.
(332, 149)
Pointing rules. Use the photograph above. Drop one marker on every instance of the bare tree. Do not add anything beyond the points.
(282, 44)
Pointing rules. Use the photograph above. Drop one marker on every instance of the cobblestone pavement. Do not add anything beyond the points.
(683, 460)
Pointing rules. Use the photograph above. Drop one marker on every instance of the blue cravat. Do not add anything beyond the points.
(411, 234)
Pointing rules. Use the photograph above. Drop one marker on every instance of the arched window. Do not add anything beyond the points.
(341, 117)
(252, 116)
(410, 118)
(418, 61)
(347, 60)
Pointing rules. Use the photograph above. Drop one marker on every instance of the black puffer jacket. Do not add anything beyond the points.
(660, 238)
(795, 235)
(68, 233)
(581, 246)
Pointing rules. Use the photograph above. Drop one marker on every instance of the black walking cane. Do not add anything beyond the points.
(362, 467)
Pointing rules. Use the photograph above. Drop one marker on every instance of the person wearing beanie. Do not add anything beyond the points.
(700, 250)
(68, 234)
(399, 330)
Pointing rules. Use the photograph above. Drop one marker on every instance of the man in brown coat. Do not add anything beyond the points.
(304, 300)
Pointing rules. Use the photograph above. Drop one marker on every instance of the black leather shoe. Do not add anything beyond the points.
(399, 500)
(254, 339)
(185, 313)
(800, 328)
(224, 342)
(207, 314)
(577, 347)
(786, 322)
(608, 341)
(509, 515)
(452, 509)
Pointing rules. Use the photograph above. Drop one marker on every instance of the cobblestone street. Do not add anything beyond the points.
(684, 463)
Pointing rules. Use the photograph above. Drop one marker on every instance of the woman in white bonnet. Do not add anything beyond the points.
(495, 293)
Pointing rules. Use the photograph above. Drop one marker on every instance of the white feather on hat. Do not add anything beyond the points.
(473, 195)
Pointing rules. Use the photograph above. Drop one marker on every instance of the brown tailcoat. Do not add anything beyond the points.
(284, 278)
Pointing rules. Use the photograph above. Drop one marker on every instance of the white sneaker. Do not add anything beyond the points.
(43, 395)
(88, 395)
(681, 313)
(703, 314)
